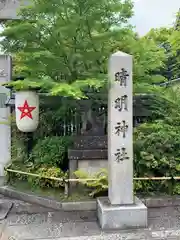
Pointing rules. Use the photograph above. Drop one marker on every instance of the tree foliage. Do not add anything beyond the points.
(63, 46)
(61, 42)
(169, 40)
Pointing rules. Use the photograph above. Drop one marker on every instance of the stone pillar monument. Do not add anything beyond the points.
(5, 128)
(121, 210)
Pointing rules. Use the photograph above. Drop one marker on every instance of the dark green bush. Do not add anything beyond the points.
(47, 171)
(157, 153)
(50, 151)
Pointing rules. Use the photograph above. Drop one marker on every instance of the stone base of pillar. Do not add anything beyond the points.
(121, 217)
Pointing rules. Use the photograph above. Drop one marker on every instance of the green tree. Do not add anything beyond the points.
(161, 38)
(63, 46)
(168, 39)
(64, 42)
(174, 40)
(177, 22)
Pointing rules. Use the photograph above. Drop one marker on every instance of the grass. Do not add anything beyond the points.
(79, 194)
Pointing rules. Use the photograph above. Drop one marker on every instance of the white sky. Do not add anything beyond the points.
(154, 13)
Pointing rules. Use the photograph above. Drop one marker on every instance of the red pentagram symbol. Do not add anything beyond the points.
(26, 110)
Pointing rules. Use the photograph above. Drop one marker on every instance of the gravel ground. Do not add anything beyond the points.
(29, 221)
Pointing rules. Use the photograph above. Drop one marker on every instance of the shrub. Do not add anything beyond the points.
(50, 151)
(46, 171)
(97, 186)
(156, 154)
(157, 151)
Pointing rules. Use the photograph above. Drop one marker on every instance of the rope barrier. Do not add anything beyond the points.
(88, 179)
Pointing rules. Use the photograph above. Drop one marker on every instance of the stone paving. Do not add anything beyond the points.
(32, 222)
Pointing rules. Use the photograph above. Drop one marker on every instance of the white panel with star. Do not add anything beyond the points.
(27, 110)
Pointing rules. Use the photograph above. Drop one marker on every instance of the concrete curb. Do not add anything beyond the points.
(31, 198)
(79, 206)
(164, 201)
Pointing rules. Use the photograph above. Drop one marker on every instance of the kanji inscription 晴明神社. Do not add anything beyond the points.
(120, 125)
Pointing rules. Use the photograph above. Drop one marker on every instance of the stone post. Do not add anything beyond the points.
(121, 209)
(120, 130)
(5, 128)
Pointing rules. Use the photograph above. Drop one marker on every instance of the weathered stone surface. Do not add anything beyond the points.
(125, 236)
(51, 217)
(164, 218)
(47, 202)
(120, 210)
(20, 207)
(90, 142)
(87, 154)
(82, 225)
(50, 230)
(163, 201)
(92, 166)
(73, 166)
(5, 207)
(120, 130)
(121, 217)
(79, 206)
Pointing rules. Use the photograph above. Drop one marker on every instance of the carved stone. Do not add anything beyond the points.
(83, 154)
(90, 142)
(93, 122)
(91, 146)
